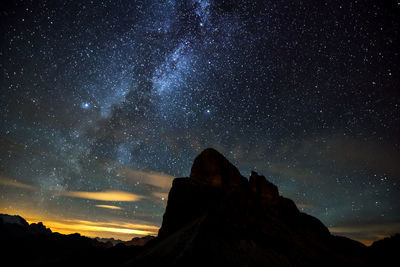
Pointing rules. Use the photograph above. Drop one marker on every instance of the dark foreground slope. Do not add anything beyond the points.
(23, 244)
(218, 217)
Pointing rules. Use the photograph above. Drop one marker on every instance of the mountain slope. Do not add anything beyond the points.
(218, 217)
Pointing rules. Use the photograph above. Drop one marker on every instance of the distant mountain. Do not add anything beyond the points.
(139, 241)
(14, 226)
(215, 217)
(136, 241)
(22, 244)
(109, 242)
(13, 219)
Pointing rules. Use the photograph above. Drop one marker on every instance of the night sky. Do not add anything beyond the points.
(102, 103)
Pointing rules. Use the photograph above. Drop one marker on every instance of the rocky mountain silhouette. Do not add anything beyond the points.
(24, 244)
(214, 217)
(109, 242)
(14, 226)
(136, 241)
(13, 219)
(218, 217)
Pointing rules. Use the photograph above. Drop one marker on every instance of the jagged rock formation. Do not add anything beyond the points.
(136, 241)
(215, 217)
(218, 217)
(13, 219)
(15, 226)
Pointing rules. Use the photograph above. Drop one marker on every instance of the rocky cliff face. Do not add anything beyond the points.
(216, 185)
(218, 217)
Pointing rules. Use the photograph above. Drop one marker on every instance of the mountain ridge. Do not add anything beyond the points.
(214, 217)
(218, 213)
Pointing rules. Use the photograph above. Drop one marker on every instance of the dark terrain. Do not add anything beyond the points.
(214, 217)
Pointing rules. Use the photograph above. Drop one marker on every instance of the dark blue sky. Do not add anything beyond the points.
(122, 95)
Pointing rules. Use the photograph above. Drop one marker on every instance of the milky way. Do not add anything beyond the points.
(104, 102)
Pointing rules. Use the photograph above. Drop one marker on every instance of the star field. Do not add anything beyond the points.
(118, 97)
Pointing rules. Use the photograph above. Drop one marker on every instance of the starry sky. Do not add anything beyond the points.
(102, 103)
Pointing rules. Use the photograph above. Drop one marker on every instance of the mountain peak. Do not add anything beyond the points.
(212, 168)
(13, 219)
(238, 222)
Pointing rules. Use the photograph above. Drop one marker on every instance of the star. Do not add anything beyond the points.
(308, 99)
(85, 105)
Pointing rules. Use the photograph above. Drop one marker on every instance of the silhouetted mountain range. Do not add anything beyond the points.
(23, 244)
(139, 241)
(215, 217)
(136, 241)
(218, 217)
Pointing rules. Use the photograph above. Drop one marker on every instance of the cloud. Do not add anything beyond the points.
(370, 155)
(109, 207)
(14, 183)
(103, 196)
(160, 180)
(160, 183)
(160, 199)
(120, 224)
(160, 195)
(304, 206)
(310, 160)
(349, 153)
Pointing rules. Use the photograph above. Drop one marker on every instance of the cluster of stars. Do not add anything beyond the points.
(305, 93)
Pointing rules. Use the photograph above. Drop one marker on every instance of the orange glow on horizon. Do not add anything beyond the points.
(108, 229)
(99, 227)
(371, 232)
(119, 230)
